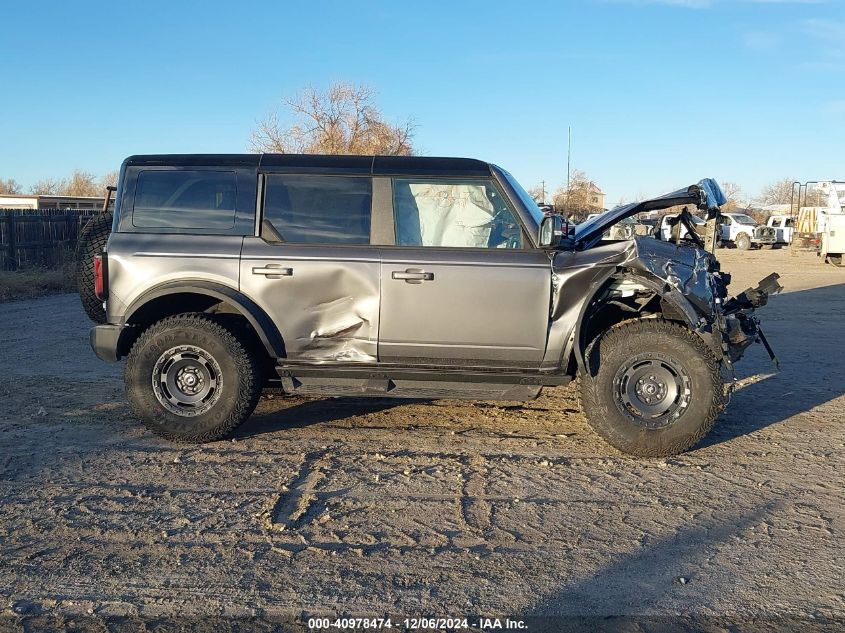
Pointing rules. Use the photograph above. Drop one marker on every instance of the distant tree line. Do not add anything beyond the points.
(578, 199)
(79, 183)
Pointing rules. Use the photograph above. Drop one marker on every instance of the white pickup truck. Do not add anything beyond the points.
(745, 232)
(784, 225)
(665, 229)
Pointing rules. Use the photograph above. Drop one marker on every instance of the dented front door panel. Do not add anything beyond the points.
(325, 301)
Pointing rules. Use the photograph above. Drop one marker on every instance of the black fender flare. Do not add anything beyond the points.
(577, 345)
(257, 317)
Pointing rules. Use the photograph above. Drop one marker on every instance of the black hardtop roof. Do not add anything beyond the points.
(319, 163)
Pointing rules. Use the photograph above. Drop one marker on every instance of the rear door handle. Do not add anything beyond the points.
(412, 276)
(273, 271)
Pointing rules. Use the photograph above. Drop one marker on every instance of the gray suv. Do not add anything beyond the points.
(412, 277)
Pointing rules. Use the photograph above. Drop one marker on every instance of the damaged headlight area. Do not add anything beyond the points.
(741, 328)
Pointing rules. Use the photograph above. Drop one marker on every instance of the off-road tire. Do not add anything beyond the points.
(239, 377)
(608, 354)
(92, 241)
(743, 242)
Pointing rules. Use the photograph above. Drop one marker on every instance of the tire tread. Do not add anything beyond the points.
(249, 379)
(596, 407)
(92, 240)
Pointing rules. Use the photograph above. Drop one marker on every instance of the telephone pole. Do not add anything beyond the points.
(568, 166)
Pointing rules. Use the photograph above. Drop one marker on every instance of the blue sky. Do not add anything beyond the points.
(659, 93)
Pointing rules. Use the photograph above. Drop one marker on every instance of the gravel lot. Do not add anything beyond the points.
(377, 507)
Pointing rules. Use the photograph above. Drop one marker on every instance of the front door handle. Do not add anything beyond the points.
(412, 276)
(273, 271)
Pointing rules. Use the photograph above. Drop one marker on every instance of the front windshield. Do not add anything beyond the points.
(528, 202)
(743, 219)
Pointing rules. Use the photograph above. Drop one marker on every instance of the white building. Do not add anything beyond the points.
(39, 202)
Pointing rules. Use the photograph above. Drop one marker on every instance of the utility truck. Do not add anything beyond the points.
(819, 210)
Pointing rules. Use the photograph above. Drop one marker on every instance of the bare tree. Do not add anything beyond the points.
(777, 192)
(109, 179)
(9, 186)
(342, 120)
(538, 193)
(579, 199)
(47, 187)
(733, 193)
(81, 183)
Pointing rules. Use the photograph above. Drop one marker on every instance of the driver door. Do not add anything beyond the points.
(462, 286)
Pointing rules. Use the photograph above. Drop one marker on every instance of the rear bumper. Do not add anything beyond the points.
(104, 340)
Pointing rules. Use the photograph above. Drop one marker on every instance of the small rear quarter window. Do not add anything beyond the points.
(185, 199)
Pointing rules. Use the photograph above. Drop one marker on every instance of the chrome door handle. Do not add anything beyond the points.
(412, 276)
(273, 271)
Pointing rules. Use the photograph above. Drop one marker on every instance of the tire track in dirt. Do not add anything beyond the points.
(295, 507)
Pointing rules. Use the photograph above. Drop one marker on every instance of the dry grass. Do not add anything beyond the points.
(36, 282)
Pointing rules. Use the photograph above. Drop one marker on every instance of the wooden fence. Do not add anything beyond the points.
(39, 238)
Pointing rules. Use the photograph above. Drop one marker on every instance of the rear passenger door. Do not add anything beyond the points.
(462, 285)
(312, 268)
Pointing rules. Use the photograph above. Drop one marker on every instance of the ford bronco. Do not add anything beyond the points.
(412, 277)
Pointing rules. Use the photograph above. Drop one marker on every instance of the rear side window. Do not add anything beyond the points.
(183, 199)
(319, 209)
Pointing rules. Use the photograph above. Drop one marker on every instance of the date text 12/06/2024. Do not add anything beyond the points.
(417, 624)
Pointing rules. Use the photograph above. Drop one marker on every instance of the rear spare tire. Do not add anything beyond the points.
(191, 380)
(653, 388)
(92, 241)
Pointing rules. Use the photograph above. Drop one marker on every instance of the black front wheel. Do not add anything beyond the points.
(191, 380)
(653, 388)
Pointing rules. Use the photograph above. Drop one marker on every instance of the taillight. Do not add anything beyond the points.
(100, 277)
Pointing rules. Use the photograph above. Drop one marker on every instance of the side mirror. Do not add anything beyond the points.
(553, 230)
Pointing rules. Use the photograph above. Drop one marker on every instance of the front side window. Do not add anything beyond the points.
(318, 209)
(453, 213)
(185, 199)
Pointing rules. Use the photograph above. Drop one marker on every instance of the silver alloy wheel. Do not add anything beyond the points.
(187, 380)
(651, 390)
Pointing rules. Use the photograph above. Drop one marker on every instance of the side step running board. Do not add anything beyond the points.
(385, 373)
(398, 388)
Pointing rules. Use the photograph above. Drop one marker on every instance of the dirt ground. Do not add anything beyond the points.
(367, 507)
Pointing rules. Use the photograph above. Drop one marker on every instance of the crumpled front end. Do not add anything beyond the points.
(738, 324)
(649, 277)
(695, 274)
